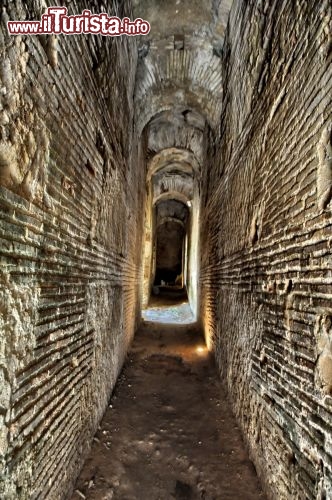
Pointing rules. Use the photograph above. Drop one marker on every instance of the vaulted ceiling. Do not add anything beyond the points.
(178, 92)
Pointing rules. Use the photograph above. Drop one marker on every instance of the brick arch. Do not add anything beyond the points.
(182, 157)
(186, 78)
(172, 195)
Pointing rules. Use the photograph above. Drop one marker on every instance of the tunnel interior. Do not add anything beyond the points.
(196, 159)
(171, 220)
(169, 254)
(173, 141)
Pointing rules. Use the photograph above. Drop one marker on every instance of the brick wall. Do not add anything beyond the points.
(267, 237)
(71, 207)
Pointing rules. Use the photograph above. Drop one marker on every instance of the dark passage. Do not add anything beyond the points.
(168, 432)
(171, 216)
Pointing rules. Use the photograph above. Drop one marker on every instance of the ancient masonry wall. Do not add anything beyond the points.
(71, 206)
(267, 233)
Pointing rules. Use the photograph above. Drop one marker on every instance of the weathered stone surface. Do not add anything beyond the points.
(266, 234)
(224, 133)
(71, 202)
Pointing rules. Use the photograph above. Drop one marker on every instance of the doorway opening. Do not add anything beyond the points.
(169, 299)
(170, 240)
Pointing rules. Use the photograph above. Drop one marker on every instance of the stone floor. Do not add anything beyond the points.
(164, 309)
(168, 432)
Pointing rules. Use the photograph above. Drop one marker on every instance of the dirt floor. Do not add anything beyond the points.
(168, 432)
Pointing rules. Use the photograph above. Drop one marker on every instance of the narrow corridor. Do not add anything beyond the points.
(194, 159)
(168, 431)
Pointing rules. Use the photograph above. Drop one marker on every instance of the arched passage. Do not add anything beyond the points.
(173, 176)
(101, 139)
(170, 238)
(174, 142)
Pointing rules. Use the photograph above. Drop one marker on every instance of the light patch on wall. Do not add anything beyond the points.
(52, 51)
(323, 334)
(35, 180)
(8, 166)
(324, 170)
(18, 314)
(256, 224)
